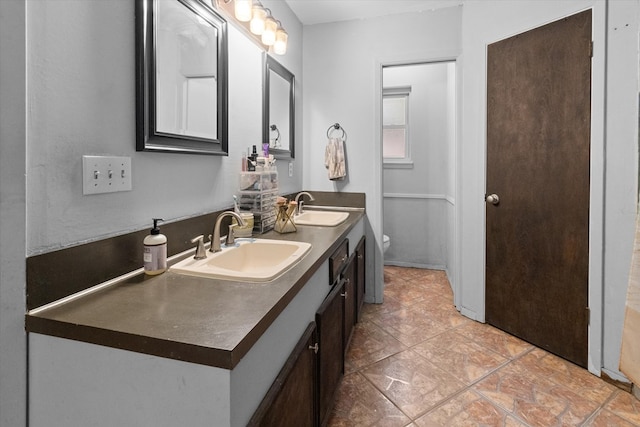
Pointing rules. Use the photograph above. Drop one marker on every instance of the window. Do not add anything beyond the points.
(395, 126)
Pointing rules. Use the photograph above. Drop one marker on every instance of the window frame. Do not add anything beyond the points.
(406, 161)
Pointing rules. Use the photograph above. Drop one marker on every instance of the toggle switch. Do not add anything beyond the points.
(105, 174)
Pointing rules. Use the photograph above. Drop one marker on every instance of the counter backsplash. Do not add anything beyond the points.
(55, 275)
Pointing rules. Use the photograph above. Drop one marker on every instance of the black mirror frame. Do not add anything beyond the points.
(147, 139)
(270, 64)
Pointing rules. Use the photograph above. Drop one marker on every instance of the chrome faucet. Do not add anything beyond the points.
(215, 240)
(300, 203)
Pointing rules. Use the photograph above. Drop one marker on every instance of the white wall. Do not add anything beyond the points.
(342, 69)
(416, 214)
(614, 132)
(621, 177)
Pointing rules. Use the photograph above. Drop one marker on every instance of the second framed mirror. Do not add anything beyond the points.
(278, 108)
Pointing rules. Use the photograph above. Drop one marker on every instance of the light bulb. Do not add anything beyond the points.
(280, 46)
(257, 20)
(269, 34)
(243, 10)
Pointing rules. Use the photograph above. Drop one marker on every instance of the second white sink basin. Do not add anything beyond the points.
(322, 218)
(252, 260)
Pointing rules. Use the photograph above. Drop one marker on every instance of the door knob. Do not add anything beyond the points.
(492, 198)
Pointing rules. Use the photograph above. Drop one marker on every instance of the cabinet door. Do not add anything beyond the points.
(291, 400)
(337, 261)
(350, 302)
(360, 275)
(329, 320)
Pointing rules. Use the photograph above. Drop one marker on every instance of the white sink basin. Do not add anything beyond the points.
(253, 260)
(322, 218)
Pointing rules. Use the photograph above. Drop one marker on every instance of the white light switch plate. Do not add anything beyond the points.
(290, 168)
(105, 174)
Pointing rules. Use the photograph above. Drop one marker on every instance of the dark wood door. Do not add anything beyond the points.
(291, 400)
(538, 150)
(329, 320)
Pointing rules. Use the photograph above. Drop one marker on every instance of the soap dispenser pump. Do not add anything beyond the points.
(155, 250)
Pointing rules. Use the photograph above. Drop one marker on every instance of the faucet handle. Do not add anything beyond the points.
(230, 237)
(200, 252)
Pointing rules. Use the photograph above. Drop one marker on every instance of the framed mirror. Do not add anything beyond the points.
(278, 108)
(181, 77)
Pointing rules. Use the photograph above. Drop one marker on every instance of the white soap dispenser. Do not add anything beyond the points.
(155, 251)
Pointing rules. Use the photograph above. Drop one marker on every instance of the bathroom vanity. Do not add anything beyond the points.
(182, 350)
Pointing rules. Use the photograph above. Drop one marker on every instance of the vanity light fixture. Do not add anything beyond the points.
(259, 14)
(280, 46)
(243, 10)
(257, 22)
(269, 33)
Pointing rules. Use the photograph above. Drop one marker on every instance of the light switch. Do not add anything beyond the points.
(105, 174)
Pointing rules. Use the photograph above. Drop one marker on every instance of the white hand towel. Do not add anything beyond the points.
(334, 159)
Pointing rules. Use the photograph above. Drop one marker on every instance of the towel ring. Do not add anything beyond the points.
(336, 127)
(276, 142)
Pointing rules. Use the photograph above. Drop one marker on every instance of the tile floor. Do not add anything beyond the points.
(415, 361)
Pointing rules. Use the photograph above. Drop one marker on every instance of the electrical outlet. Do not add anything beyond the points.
(290, 169)
(105, 174)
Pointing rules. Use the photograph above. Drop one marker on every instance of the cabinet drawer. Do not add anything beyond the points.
(338, 261)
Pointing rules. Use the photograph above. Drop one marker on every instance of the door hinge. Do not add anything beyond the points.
(591, 49)
(588, 314)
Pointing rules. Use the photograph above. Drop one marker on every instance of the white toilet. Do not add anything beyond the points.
(386, 242)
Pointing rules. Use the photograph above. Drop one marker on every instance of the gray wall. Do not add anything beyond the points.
(343, 74)
(13, 361)
(81, 79)
(417, 217)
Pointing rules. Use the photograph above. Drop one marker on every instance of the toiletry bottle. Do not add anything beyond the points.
(253, 158)
(155, 250)
(244, 162)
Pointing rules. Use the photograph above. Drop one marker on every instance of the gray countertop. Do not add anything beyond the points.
(199, 320)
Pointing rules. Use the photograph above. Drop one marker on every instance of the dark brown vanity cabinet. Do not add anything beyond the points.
(335, 318)
(329, 320)
(304, 392)
(361, 268)
(291, 400)
(349, 295)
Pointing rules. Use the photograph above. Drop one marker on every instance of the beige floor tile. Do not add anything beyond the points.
(494, 339)
(358, 403)
(459, 356)
(414, 361)
(370, 344)
(442, 311)
(405, 293)
(568, 374)
(468, 409)
(537, 400)
(625, 406)
(411, 382)
(372, 312)
(604, 418)
(409, 326)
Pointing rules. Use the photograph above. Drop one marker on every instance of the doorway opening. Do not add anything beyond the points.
(419, 164)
